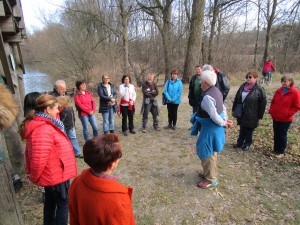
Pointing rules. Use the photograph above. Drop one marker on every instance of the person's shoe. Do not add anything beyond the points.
(246, 148)
(207, 184)
(112, 131)
(79, 156)
(157, 128)
(236, 146)
(144, 130)
(279, 156)
(132, 131)
(125, 133)
(174, 127)
(168, 127)
(201, 175)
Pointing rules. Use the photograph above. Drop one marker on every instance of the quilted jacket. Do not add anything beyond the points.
(49, 154)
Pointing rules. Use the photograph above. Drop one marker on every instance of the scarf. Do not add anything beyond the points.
(104, 175)
(57, 122)
(285, 90)
(248, 87)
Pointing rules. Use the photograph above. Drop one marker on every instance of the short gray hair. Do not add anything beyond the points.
(209, 76)
(207, 67)
(59, 82)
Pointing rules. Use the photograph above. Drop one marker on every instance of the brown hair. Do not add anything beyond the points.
(289, 78)
(123, 78)
(41, 104)
(101, 151)
(253, 74)
(174, 71)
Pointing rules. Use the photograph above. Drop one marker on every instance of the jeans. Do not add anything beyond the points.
(245, 136)
(172, 113)
(108, 120)
(55, 208)
(92, 120)
(264, 73)
(154, 111)
(280, 136)
(72, 136)
(127, 113)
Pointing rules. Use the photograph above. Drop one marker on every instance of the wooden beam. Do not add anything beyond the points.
(17, 10)
(8, 25)
(21, 58)
(13, 38)
(7, 8)
(2, 11)
(5, 64)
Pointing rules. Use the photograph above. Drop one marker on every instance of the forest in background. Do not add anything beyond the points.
(88, 38)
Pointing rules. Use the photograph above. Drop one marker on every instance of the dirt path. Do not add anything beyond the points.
(163, 168)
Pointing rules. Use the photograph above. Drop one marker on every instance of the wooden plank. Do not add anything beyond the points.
(17, 10)
(5, 64)
(8, 25)
(16, 38)
(2, 11)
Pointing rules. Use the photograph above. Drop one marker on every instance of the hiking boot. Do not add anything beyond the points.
(246, 148)
(207, 184)
(168, 127)
(125, 133)
(237, 146)
(157, 128)
(174, 127)
(132, 131)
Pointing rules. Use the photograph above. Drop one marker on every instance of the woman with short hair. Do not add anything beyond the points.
(96, 196)
(252, 99)
(285, 103)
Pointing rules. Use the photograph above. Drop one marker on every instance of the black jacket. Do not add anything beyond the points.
(191, 95)
(254, 106)
(104, 98)
(222, 84)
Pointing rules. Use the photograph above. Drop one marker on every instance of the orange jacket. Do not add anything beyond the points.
(95, 201)
(49, 154)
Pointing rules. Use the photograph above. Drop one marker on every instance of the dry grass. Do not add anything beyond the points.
(162, 167)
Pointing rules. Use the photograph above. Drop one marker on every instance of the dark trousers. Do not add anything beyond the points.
(172, 113)
(55, 208)
(197, 103)
(280, 136)
(245, 136)
(126, 113)
(154, 111)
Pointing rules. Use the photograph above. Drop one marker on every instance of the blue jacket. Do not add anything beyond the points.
(173, 91)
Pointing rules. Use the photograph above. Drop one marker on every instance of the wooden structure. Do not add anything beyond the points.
(12, 35)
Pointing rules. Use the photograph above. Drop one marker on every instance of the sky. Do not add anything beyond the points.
(32, 9)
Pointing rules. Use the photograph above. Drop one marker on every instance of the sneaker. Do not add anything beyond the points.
(125, 133)
(279, 156)
(207, 184)
(157, 128)
(144, 131)
(201, 175)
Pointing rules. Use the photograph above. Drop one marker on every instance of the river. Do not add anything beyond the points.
(35, 80)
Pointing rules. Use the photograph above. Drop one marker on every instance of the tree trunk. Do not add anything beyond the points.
(212, 31)
(255, 64)
(10, 212)
(193, 52)
(269, 29)
(166, 36)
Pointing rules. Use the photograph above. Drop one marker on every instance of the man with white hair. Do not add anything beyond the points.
(67, 116)
(213, 118)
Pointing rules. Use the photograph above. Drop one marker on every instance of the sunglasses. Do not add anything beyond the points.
(250, 77)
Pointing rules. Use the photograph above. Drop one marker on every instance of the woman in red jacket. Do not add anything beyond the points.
(284, 105)
(86, 106)
(96, 196)
(50, 160)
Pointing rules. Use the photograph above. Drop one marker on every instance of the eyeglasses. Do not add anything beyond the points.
(248, 77)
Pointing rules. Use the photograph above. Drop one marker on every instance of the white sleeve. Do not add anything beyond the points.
(133, 93)
(122, 90)
(208, 104)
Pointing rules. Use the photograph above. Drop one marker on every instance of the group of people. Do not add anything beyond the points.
(51, 143)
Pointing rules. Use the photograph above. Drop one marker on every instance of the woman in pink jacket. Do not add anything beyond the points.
(86, 106)
(50, 160)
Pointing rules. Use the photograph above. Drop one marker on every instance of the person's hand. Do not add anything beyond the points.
(171, 101)
(229, 123)
(113, 100)
(91, 113)
(130, 102)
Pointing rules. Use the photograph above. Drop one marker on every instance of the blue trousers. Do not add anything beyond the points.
(280, 136)
(108, 120)
(85, 120)
(72, 136)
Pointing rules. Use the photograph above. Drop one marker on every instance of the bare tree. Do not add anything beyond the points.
(192, 56)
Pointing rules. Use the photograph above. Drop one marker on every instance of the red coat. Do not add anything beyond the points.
(49, 154)
(95, 201)
(268, 65)
(85, 102)
(283, 107)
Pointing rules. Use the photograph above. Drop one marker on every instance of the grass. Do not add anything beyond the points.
(255, 187)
